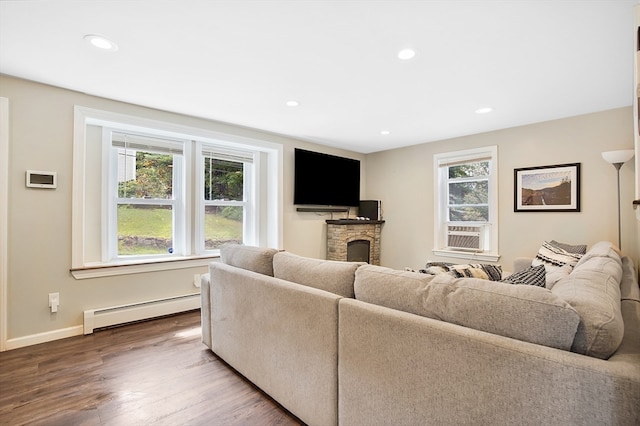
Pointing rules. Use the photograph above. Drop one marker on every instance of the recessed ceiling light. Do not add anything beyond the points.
(101, 42)
(484, 110)
(406, 54)
(292, 103)
(385, 132)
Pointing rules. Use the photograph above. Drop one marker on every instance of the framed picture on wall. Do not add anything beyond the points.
(553, 188)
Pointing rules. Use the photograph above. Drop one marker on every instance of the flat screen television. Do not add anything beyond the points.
(325, 180)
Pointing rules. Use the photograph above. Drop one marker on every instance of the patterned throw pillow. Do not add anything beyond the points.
(554, 257)
(535, 275)
(434, 268)
(479, 270)
(577, 249)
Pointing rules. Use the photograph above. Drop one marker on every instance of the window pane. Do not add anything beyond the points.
(144, 175)
(469, 214)
(476, 192)
(223, 180)
(144, 229)
(222, 224)
(477, 169)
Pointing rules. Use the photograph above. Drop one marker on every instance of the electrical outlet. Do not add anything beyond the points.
(196, 279)
(54, 301)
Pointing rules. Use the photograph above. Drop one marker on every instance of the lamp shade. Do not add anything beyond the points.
(621, 156)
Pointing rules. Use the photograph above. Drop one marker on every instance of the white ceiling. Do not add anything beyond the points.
(240, 61)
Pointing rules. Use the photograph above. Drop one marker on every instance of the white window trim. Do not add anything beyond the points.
(440, 219)
(181, 203)
(251, 198)
(270, 236)
(4, 218)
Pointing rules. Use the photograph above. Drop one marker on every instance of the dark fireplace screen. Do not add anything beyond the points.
(358, 251)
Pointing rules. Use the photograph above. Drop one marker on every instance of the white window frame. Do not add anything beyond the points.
(250, 199)
(441, 195)
(179, 203)
(267, 198)
(4, 218)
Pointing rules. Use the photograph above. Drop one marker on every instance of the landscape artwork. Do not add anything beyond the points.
(547, 188)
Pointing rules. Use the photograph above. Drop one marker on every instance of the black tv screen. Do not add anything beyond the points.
(325, 180)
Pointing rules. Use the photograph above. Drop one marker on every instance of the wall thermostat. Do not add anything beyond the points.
(39, 179)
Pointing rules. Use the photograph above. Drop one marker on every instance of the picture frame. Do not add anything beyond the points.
(554, 188)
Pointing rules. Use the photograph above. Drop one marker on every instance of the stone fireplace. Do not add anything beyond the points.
(354, 240)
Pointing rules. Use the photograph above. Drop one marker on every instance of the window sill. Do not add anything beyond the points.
(126, 268)
(485, 257)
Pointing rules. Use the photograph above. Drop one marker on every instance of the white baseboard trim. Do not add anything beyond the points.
(112, 316)
(47, 336)
(115, 315)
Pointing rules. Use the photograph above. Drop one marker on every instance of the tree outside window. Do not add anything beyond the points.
(224, 202)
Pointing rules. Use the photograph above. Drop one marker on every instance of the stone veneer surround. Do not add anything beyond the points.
(341, 232)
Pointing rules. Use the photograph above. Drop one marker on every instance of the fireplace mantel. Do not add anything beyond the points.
(344, 222)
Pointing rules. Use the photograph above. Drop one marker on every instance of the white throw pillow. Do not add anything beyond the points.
(554, 257)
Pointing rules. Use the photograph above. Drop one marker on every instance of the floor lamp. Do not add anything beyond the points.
(618, 158)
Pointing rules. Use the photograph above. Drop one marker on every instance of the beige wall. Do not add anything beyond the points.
(39, 221)
(403, 180)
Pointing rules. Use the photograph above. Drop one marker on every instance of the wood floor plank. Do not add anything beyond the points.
(155, 372)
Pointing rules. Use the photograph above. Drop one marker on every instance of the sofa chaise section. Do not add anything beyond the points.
(280, 335)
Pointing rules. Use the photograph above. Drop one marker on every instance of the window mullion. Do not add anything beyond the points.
(179, 206)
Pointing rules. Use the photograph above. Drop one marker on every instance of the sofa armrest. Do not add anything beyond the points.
(521, 263)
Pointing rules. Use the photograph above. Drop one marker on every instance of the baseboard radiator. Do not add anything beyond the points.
(116, 315)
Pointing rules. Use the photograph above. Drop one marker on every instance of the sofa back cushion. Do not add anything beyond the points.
(256, 259)
(528, 313)
(329, 275)
(593, 289)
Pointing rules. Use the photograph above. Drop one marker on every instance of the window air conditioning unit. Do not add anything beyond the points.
(466, 238)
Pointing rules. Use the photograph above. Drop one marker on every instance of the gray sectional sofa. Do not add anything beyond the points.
(356, 344)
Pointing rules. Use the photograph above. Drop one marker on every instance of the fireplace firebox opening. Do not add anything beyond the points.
(358, 251)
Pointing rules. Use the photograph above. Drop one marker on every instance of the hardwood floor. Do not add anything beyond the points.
(155, 372)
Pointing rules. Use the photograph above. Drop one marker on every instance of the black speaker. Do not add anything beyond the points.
(371, 209)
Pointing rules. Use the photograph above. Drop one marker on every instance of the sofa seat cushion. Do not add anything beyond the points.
(593, 289)
(256, 259)
(528, 313)
(329, 275)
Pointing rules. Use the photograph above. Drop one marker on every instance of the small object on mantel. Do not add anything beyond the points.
(354, 221)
